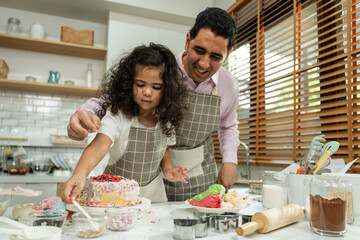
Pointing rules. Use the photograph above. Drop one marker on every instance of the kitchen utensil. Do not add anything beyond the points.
(201, 228)
(184, 229)
(54, 77)
(272, 219)
(322, 160)
(94, 224)
(347, 166)
(245, 181)
(316, 142)
(326, 151)
(234, 219)
(222, 223)
(332, 147)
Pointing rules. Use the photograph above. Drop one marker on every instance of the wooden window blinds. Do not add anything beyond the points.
(297, 64)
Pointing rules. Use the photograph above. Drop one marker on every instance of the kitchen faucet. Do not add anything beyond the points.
(247, 174)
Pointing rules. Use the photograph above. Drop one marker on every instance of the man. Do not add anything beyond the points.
(213, 99)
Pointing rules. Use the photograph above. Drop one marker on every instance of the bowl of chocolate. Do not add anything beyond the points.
(50, 217)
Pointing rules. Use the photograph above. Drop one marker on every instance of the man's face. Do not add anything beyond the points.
(204, 55)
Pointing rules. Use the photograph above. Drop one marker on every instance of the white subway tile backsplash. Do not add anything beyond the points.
(40, 114)
(19, 115)
(27, 122)
(42, 123)
(10, 122)
(35, 116)
(11, 107)
(5, 99)
(36, 102)
(12, 93)
(5, 114)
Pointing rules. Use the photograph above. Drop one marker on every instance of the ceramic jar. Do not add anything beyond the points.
(37, 30)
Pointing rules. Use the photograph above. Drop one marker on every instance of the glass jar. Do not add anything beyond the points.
(328, 206)
(274, 189)
(13, 26)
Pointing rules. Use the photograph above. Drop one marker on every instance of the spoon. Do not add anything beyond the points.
(95, 225)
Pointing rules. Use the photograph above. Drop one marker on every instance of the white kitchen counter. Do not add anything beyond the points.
(157, 224)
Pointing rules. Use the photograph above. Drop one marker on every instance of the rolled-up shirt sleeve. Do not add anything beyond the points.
(94, 105)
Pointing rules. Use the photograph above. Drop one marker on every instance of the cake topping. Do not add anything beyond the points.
(108, 178)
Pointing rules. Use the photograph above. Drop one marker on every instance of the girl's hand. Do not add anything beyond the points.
(177, 174)
(72, 189)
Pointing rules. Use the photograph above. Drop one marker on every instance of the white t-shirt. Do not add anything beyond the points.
(117, 128)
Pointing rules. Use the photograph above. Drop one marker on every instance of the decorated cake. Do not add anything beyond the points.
(110, 191)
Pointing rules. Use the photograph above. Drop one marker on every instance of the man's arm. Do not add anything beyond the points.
(85, 120)
(229, 142)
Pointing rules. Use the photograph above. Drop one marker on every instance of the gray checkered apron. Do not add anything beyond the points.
(194, 138)
(141, 162)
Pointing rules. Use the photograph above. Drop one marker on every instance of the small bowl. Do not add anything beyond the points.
(55, 218)
(122, 219)
(4, 203)
(30, 78)
(84, 227)
(14, 168)
(41, 169)
(69, 82)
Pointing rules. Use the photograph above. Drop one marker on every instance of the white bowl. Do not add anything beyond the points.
(54, 234)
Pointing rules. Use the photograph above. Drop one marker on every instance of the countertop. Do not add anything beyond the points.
(157, 224)
(32, 178)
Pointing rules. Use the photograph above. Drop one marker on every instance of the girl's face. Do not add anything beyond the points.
(147, 87)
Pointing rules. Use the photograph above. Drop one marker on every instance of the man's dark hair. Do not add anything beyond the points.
(218, 21)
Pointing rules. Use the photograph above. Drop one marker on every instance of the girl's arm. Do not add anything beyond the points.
(89, 159)
(173, 174)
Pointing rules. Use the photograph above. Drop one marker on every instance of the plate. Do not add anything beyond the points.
(143, 206)
(216, 210)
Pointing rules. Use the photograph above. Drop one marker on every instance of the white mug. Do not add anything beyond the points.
(37, 30)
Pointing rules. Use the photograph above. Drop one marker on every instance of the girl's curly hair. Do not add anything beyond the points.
(118, 85)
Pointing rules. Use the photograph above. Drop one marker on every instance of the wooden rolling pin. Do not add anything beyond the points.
(245, 181)
(272, 219)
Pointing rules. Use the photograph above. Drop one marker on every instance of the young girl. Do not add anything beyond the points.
(145, 100)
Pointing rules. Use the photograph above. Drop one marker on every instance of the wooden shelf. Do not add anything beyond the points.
(49, 87)
(54, 47)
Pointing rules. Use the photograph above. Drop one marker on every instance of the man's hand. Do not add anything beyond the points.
(227, 175)
(81, 122)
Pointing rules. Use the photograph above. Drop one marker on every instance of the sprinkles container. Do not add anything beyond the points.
(89, 228)
(122, 219)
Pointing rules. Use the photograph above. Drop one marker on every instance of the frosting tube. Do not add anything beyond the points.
(213, 189)
(210, 201)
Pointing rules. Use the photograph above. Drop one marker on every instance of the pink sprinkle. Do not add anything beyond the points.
(152, 221)
(149, 212)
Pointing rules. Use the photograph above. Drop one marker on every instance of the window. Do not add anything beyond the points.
(297, 65)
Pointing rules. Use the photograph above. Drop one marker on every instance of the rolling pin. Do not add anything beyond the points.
(272, 219)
